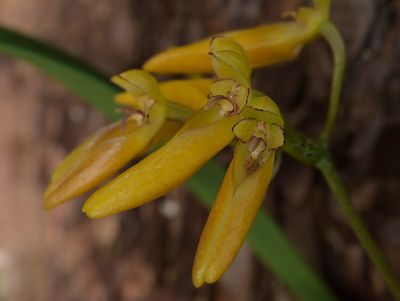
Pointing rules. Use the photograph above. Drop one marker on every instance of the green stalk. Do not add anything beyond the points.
(305, 149)
(315, 153)
(335, 184)
(333, 37)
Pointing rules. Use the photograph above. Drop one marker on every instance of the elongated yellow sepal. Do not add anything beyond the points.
(191, 93)
(98, 158)
(105, 152)
(264, 45)
(229, 60)
(138, 83)
(200, 139)
(231, 217)
(164, 134)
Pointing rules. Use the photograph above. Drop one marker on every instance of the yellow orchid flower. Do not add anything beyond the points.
(232, 111)
(264, 45)
(111, 147)
(230, 220)
(201, 138)
(258, 126)
(187, 93)
(259, 133)
(105, 152)
(204, 135)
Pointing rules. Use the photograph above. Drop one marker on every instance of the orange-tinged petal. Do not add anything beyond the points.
(103, 154)
(231, 217)
(264, 45)
(109, 149)
(200, 139)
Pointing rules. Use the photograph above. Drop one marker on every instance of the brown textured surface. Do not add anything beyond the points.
(147, 254)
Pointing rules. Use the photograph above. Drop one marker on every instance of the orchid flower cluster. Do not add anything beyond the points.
(188, 122)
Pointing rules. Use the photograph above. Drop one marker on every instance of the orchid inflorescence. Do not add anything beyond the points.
(188, 121)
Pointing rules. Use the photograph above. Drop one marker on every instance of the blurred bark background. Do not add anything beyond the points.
(146, 254)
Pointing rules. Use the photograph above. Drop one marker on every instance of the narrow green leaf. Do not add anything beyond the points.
(266, 239)
(77, 76)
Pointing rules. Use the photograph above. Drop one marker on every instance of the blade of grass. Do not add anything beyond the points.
(266, 239)
(76, 75)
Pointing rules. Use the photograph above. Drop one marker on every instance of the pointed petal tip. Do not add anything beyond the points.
(90, 213)
(205, 275)
(52, 199)
(86, 208)
(197, 278)
(155, 64)
(197, 283)
(49, 204)
(93, 210)
(148, 65)
(211, 275)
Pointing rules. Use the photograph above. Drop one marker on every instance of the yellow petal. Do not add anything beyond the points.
(264, 45)
(264, 103)
(191, 93)
(125, 99)
(244, 129)
(229, 95)
(261, 115)
(110, 148)
(230, 219)
(323, 6)
(275, 137)
(99, 157)
(164, 134)
(229, 60)
(202, 84)
(138, 83)
(200, 139)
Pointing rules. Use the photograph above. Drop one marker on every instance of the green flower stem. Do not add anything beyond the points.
(335, 184)
(314, 152)
(333, 37)
(305, 149)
